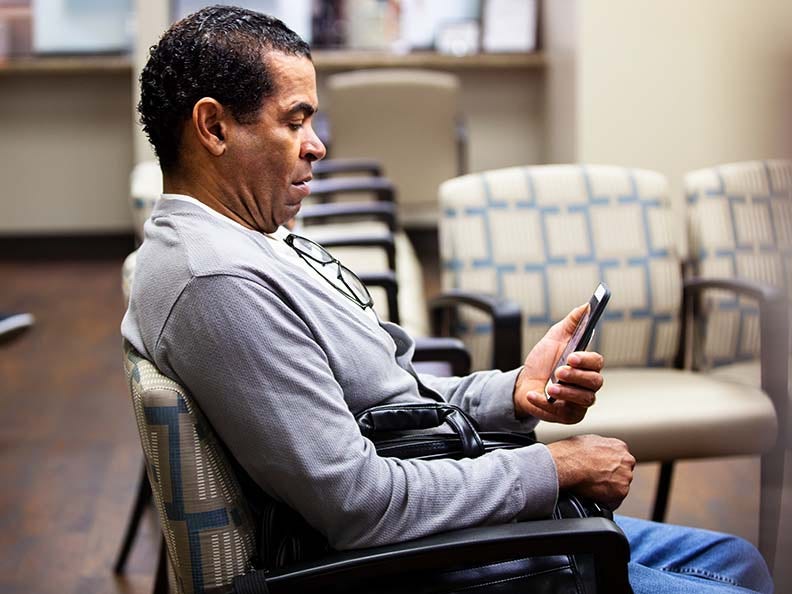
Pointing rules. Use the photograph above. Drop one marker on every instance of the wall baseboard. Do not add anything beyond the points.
(87, 246)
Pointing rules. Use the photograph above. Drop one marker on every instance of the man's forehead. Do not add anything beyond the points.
(294, 79)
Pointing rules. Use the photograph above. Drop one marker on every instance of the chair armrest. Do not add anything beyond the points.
(506, 322)
(382, 187)
(322, 169)
(386, 280)
(448, 349)
(379, 211)
(774, 333)
(345, 571)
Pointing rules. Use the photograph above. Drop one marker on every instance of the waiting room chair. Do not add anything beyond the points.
(740, 227)
(210, 532)
(544, 236)
(418, 148)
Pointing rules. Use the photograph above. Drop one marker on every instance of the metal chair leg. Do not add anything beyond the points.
(161, 577)
(663, 490)
(772, 483)
(142, 501)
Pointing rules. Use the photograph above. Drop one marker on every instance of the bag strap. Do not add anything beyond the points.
(407, 417)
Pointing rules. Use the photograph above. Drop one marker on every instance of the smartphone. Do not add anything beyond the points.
(583, 332)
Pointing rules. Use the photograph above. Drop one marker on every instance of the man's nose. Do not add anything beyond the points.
(313, 149)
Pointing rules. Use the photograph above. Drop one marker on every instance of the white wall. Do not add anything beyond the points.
(65, 152)
(675, 85)
(560, 45)
(151, 20)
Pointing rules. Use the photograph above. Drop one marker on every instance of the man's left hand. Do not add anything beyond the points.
(580, 377)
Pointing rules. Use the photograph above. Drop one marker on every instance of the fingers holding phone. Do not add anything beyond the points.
(574, 373)
(577, 344)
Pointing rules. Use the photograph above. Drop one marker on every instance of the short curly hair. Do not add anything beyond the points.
(216, 52)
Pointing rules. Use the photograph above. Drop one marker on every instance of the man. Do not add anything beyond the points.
(280, 346)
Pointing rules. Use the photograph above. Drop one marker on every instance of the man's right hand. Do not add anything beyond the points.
(599, 468)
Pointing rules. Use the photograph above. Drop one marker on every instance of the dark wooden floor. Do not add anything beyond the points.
(70, 456)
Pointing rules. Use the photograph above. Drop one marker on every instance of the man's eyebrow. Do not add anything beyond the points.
(303, 108)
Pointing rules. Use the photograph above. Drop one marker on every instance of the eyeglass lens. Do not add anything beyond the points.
(354, 283)
(312, 250)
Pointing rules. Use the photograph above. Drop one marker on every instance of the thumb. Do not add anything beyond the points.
(570, 322)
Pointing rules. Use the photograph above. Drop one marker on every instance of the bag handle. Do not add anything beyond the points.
(406, 417)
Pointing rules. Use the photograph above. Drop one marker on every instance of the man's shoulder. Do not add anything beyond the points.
(184, 233)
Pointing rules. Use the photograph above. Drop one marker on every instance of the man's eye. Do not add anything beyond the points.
(295, 125)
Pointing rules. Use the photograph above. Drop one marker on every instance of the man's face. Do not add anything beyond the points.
(271, 157)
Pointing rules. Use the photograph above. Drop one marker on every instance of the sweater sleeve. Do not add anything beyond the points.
(266, 386)
(488, 396)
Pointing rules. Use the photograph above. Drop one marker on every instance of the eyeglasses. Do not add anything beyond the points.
(350, 285)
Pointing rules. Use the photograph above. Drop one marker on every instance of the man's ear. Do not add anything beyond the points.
(209, 120)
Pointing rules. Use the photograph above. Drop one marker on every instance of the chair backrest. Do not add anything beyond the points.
(206, 522)
(145, 187)
(739, 226)
(544, 236)
(407, 120)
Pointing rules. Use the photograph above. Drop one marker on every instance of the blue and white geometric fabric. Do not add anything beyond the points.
(205, 519)
(740, 226)
(544, 236)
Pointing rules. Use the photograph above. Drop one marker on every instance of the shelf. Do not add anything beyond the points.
(325, 60)
(67, 65)
(352, 59)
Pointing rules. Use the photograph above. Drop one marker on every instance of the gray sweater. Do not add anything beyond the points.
(279, 361)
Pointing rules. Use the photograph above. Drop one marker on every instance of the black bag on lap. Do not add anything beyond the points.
(431, 431)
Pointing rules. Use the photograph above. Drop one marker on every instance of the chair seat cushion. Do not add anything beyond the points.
(750, 373)
(667, 414)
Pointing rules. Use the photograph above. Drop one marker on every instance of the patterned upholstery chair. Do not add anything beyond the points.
(210, 529)
(543, 236)
(740, 227)
(207, 525)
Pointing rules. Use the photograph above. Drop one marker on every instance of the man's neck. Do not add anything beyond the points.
(205, 192)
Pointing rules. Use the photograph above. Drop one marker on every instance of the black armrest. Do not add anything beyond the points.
(774, 333)
(382, 187)
(322, 169)
(380, 211)
(384, 241)
(386, 280)
(451, 350)
(345, 571)
(506, 323)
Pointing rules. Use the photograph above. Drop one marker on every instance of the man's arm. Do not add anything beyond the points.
(266, 386)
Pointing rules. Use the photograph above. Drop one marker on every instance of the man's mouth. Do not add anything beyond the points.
(302, 182)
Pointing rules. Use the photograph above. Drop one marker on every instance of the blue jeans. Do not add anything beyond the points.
(668, 559)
